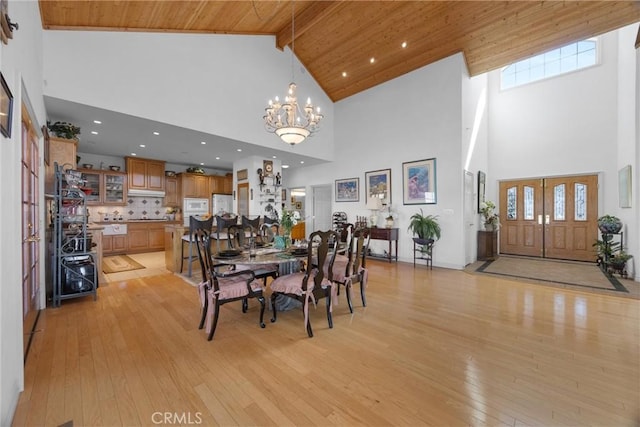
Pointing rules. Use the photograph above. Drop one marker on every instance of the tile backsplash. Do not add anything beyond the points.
(137, 207)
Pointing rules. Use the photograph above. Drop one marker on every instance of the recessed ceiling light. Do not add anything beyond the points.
(275, 157)
(404, 44)
(217, 158)
(301, 161)
(203, 142)
(344, 74)
(156, 133)
(93, 132)
(285, 166)
(133, 154)
(142, 146)
(201, 164)
(239, 149)
(98, 122)
(372, 60)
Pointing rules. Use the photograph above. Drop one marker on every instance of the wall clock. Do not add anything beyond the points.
(268, 167)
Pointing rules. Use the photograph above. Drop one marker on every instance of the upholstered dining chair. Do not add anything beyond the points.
(254, 224)
(189, 241)
(351, 268)
(222, 229)
(221, 287)
(314, 283)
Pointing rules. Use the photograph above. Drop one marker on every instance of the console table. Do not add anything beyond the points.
(388, 234)
(487, 245)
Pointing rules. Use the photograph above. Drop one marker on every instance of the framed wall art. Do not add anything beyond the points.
(419, 182)
(6, 108)
(624, 187)
(378, 184)
(348, 190)
(47, 143)
(482, 181)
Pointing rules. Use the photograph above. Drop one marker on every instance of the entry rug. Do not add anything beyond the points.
(119, 263)
(578, 275)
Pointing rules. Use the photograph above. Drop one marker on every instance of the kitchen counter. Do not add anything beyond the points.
(129, 221)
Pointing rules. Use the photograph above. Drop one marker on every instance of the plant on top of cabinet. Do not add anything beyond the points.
(64, 130)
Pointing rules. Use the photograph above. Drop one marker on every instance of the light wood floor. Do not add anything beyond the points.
(437, 348)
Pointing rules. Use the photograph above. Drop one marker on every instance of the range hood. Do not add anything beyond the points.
(145, 193)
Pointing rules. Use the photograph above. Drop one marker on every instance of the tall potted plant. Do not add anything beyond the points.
(426, 227)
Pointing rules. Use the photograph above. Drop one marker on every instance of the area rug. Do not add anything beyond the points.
(568, 274)
(119, 263)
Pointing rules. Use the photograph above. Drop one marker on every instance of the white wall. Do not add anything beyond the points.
(582, 122)
(414, 117)
(21, 65)
(218, 84)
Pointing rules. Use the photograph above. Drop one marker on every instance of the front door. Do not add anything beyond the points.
(550, 217)
(30, 230)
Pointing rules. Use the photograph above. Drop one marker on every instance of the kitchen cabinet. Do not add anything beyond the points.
(105, 187)
(193, 185)
(227, 184)
(171, 191)
(145, 236)
(219, 184)
(145, 174)
(116, 244)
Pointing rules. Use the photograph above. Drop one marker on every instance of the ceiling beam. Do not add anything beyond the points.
(316, 12)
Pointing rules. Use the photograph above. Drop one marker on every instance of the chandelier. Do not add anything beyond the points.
(288, 120)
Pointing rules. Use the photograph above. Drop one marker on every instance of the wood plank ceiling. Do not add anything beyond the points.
(336, 37)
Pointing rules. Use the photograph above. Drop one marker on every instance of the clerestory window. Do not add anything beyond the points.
(565, 59)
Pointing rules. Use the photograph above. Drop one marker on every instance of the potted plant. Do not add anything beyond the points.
(618, 263)
(426, 227)
(64, 130)
(609, 224)
(389, 218)
(491, 220)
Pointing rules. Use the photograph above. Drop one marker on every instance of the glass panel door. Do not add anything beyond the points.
(115, 188)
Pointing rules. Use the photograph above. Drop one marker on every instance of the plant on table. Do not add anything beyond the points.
(490, 219)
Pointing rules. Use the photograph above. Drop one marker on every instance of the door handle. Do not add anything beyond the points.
(539, 219)
(32, 238)
(546, 219)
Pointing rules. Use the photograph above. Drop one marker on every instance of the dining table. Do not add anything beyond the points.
(289, 260)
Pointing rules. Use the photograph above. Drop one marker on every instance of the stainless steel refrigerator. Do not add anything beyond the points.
(221, 204)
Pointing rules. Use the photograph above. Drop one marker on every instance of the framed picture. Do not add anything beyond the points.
(298, 205)
(6, 108)
(624, 187)
(348, 190)
(47, 142)
(378, 184)
(242, 174)
(482, 179)
(419, 182)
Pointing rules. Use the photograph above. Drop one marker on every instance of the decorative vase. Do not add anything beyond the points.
(389, 223)
(489, 227)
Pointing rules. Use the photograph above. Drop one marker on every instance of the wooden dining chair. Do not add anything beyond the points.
(240, 237)
(254, 224)
(222, 229)
(314, 283)
(221, 287)
(188, 239)
(351, 268)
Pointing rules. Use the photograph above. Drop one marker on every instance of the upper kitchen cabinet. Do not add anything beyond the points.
(171, 191)
(220, 184)
(193, 185)
(105, 187)
(145, 174)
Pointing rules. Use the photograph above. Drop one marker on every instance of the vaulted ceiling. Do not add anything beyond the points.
(337, 40)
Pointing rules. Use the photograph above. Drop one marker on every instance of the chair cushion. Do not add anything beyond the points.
(235, 287)
(339, 268)
(292, 283)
